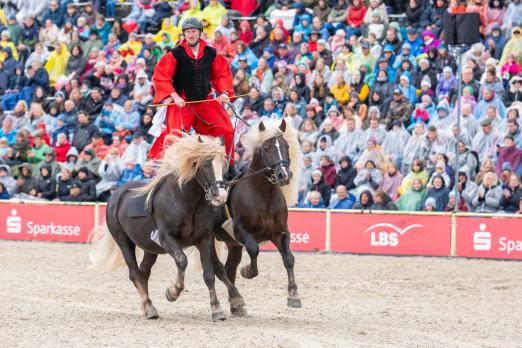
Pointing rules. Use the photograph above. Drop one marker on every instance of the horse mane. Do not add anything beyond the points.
(254, 138)
(183, 158)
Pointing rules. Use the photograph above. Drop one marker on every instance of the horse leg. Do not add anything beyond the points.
(237, 303)
(235, 253)
(145, 267)
(282, 242)
(248, 271)
(172, 248)
(205, 250)
(137, 277)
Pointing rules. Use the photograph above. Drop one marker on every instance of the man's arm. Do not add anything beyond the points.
(221, 78)
(162, 78)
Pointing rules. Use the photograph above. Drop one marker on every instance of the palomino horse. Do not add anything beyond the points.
(183, 212)
(258, 201)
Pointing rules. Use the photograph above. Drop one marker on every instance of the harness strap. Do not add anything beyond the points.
(227, 211)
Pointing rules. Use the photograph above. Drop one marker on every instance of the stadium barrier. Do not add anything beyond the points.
(384, 232)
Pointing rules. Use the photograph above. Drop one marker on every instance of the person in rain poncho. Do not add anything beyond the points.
(486, 141)
(412, 200)
(442, 119)
(413, 149)
(347, 144)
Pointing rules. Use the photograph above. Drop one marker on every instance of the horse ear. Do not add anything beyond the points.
(282, 126)
(199, 139)
(262, 127)
(222, 140)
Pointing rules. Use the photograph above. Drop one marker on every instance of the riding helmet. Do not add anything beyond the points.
(191, 23)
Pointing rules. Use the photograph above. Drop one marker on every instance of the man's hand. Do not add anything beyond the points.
(178, 100)
(223, 98)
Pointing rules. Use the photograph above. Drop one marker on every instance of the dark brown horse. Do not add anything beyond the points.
(258, 201)
(184, 200)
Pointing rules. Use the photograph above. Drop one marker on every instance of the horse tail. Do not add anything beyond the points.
(105, 254)
(194, 260)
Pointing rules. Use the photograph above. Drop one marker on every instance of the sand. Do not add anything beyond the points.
(48, 298)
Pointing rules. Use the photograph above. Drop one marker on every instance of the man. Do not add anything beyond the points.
(400, 109)
(188, 72)
(84, 131)
(513, 129)
(347, 144)
(344, 200)
(93, 103)
(433, 146)
(486, 141)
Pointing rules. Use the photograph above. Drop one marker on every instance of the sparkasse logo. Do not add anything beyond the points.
(13, 223)
(482, 239)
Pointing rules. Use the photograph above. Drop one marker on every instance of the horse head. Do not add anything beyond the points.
(275, 153)
(209, 175)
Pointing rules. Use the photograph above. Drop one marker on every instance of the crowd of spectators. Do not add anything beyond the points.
(370, 85)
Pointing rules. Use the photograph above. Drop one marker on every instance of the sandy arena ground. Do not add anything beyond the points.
(49, 299)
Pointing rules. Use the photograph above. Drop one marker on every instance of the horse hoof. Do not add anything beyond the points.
(218, 316)
(239, 312)
(152, 314)
(246, 273)
(169, 297)
(237, 301)
(294, 303)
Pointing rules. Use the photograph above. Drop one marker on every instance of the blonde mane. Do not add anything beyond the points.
(254, 138)
(183, 157)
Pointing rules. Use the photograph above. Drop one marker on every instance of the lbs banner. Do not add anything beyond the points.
(391, 234)
(489, 237)
(64, 223)
(307, 231)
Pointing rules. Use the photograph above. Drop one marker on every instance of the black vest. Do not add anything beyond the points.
(193, 76)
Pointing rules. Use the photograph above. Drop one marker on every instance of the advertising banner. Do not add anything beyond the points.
(56, 223)
(391, 234)
(489, 237)
(307, 231)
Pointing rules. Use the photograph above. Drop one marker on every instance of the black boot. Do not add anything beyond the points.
(232, 173)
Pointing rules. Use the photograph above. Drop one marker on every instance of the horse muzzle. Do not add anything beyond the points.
(283, 175)
(219, 196)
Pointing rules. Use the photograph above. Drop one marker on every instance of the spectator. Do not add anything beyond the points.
(391, 182)
(414, 198)
(327, 167)
(4, 194)
(346, 174)
(368, 178)
(489, 195)
(509, 153)
(343, 199)
(132, 172)
(46, 184)
(511, 201)
(467, 188)
(381, 201)
(439, 192)
(26, 183)
(365, 201)
(320, 186)
(64, 184)
(7, 181)
(49, 160)
(84, 131)
(315, 201)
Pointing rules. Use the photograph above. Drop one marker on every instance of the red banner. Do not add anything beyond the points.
(391, 234)
(489, 237)
(307, 231)
(56, 223)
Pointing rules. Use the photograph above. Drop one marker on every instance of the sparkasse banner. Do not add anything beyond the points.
(307, 231)
(57, 223)
(403, 234)
(487, 237)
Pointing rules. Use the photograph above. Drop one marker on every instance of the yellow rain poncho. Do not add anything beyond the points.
(56, 64)
(167, 27)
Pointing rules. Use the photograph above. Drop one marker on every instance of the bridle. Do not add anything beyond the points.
(209, 185)
(269, 166)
